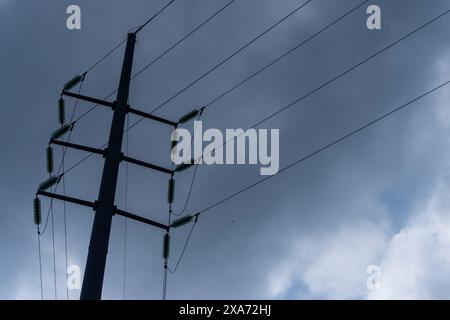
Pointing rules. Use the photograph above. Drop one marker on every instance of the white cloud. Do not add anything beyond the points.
(333, 267)
(417, 261)
(414, 261)
(339, 271)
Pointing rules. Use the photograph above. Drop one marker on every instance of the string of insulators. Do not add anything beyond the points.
(184, 166)
(73, 82)
(50, 182)
(189, 116)
(171, 191)
(61, 111)
(37, 211)
(62, 131)
(166, 246)
(50, 160)
(181, 221)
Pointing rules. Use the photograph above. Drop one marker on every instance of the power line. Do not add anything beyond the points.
(161, 55)
(166, 241)
(195, 81)
(334, 142)
(114, 49)
(50, 212)
(153, 17)
(171, 211)
(335, 78)
(54, 253)
(61, 166)
(142, 70)
(331, 144)
(275, 60)
(184, 248)
(64, 192)
(65, 228)
(284, 55)
(40, 262)
(63, 156)
(224, 61)
(191, 186)
(164, 290)
(353, 68)
(193, 175)
(166, 261)
(106, 56)
(236, 86)
(318, 88)
(182, 39)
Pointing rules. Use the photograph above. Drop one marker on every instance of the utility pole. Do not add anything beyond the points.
(104, 211)
(105, 207)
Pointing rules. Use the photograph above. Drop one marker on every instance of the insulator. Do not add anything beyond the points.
(61, 111)
(166, 246)
(50, 160)
(37, 211)
(189, 116)
(61, 131)
(73, 82)
(171, 191)
(184, 166)
(50, 182)
(182, 221)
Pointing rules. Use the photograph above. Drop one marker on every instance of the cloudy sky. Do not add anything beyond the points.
(380, 198)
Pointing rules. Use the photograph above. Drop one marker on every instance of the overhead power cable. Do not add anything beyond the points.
(181, 40)
(194, 175)
(184, 249)
(352, 68)
(318, 88)
(335, 78)
(54, 253)
(105, 56)
(327, 146)
(299, 161)
(224, 60)
(192, 83)
(284, 55)
(63, 157)
(332, 143)
(161, 55)
(154, 16)
(40, 262)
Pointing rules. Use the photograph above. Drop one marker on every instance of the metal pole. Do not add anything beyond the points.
(98, 246)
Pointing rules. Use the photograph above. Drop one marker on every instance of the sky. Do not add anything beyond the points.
(379, 198)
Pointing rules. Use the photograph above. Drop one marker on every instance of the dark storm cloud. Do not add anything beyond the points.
(238, 246)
